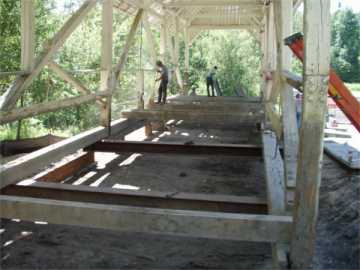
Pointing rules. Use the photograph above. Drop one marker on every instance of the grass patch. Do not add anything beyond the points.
(354, 87)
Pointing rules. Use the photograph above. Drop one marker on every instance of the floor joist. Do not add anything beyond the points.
(151, 199)
(176, 148)
(194, 116)
(213, 225)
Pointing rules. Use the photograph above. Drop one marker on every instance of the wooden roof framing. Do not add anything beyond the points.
(200, 14)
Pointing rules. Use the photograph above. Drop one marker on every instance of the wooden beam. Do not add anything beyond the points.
(153, 199)
(29, 164)
(195, 116)
(227, 226)
(63, 74)
(294, 80)
(212, 106)
(129, 40)
(27, 35)
(187, 49)
(12, 94)
(141, 89)
(176, 148)
(274, 119)
(219, 26)
(316, 77)
(163, 39)
(50, 106)
(69, 169)
(213, 101)
(270, 65)
(106, 60)
(274, 174)
(186, 61)
(214, 3)
(12, 73)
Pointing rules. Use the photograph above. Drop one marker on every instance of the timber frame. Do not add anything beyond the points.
(287, 220)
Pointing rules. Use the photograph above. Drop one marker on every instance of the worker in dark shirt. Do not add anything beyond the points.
(164, 78)
(210, 82)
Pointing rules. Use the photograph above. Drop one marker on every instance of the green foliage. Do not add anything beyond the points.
(345, 42)
(237, 55)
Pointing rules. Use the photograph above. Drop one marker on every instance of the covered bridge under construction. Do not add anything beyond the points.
(285, 217)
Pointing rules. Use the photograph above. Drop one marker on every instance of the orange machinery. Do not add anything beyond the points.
(337, 89)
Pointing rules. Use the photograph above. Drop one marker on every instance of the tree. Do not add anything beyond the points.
(345, 42)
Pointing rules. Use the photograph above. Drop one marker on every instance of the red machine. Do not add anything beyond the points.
(337, 89)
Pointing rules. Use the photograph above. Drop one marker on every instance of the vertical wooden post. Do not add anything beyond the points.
(316, 75)
(187, 61)
(150, 44)
(27, 44)
(106, 59)
(140, 89)
(270, 52)
(27, 35)
(174, 46)
(269, 67)
(290, 130)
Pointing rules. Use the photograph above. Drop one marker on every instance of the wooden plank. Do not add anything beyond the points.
(106, 60)
(150, 41)
(289, 122)
(27, 165)
(227, 226)
(9, 98)
(274, 174)
(141, 89)
(347, 153)
(275, 186)
(116, 146)
(152, 199)
(187, 49)
(316, 77)
(33, 110)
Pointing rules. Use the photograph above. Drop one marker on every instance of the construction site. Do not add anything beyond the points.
(198, 182)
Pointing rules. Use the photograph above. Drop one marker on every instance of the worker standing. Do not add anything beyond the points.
(164, 78)
(210, 81)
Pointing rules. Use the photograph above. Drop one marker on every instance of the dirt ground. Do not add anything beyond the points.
(26, 245)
